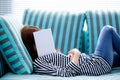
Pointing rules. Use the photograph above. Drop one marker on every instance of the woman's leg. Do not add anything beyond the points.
(116, 60)
(116, 41)
(104, 46)
(116, 47)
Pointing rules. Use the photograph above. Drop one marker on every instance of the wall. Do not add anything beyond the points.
(5, 7)
(65, 5)
(17, 6)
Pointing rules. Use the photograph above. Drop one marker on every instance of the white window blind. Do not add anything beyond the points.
(17, 6)
(5, 7)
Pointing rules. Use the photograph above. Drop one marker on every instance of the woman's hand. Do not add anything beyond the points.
(58, 51)
(73, 52)
(74, 55)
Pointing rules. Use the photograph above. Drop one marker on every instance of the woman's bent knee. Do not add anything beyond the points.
(109, 28)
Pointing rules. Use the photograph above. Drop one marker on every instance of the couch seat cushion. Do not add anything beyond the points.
(114, 75)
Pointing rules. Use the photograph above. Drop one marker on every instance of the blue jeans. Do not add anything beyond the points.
(108, 46)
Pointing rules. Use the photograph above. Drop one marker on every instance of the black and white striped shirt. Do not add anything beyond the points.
(58, 64)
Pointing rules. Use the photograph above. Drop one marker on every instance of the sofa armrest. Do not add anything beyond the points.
(11, 46)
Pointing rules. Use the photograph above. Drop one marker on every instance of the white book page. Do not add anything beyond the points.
(44, 42)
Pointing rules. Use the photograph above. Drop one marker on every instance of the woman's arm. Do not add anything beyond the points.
(41, 67)
(55, 64)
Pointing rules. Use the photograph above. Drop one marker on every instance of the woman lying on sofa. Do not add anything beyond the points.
(76, 63)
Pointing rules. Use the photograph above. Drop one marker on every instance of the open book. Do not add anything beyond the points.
(44, 42)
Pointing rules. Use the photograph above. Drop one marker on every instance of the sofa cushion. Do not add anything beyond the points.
(113, 75)
(67, 28)
(95, 21)
(11, 46)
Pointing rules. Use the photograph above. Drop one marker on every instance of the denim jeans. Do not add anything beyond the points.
(108, 46)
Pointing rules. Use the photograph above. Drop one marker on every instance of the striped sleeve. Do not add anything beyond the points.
(41, 67)
(93, 65)
(68, 71)
(60, 65)
(57, 65)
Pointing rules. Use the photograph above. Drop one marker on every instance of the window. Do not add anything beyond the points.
(17, 6)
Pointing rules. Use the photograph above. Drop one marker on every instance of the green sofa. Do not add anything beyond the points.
(68, 32)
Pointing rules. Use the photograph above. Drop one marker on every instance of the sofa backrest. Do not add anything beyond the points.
(95, 21)
(67, 28)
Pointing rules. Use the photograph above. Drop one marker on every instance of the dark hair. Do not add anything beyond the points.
(28, 40)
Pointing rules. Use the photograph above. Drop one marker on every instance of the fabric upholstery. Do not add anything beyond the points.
(113, 75)
(95, 21)
(67, 28)
(11, 46)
